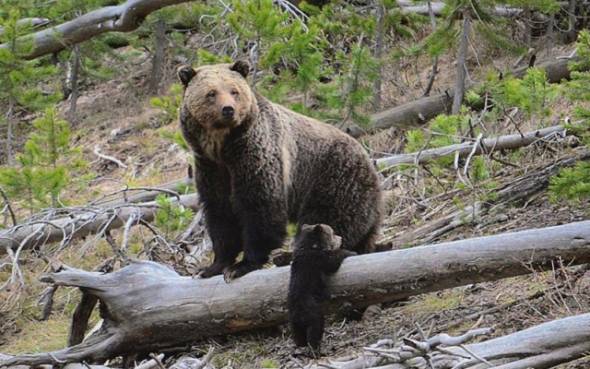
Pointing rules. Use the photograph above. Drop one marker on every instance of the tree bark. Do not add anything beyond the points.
(158, 57)
(571, 32)
(437, 8)
(147, 307)
(461, 65)
(487, 145)
(125, 17)
(73, 82)
(435, 58)
(10, 132)
(378, 54)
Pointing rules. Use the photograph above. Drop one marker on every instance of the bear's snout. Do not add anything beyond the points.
(227, 112)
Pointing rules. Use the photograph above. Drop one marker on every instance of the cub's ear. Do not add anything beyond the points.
(242, 67)
(185, 74)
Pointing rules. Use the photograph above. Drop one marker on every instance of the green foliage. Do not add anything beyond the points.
(170, 216)
(444, 130)
(574, 183)
(579, 87)
(204, 57)
(44, 167)
(357, 88)
(175, 137)
(478, 170)
(532, 94)
(20, 78)
(169, 104)
(485, 24)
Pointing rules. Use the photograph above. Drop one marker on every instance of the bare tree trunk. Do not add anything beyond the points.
(378, 54)
(74, 79)
(571, 32)
(434, 59)
(158, 57)
(147, 307)
(461, 65)
(10, 132)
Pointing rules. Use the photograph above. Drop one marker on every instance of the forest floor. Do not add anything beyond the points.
(113, 117)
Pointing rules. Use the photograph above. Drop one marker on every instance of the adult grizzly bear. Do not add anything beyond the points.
(259, 165)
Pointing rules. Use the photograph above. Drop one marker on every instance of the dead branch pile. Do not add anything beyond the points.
(147, 307)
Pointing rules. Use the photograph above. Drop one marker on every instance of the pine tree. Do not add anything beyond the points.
(18, 77)
(44, 167)
(478, 16)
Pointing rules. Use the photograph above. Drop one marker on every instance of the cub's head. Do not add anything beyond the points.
(217, 96)
(318, 237)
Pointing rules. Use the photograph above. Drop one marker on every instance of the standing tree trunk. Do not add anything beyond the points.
(461, 57)
(434, 59)
(73, 82)
(10, 132)
(158, 58)
(571, 11)
(378, 53)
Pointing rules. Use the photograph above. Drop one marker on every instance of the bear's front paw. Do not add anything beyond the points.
(237, 270)
(211, 271)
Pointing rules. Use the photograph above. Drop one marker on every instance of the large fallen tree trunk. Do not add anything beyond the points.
(147, 307)
(541, 346)
(124, 17)
(87, 221)
(420, 111)
(487, 145)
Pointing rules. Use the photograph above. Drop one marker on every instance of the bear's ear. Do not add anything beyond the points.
(318, 229)
(242, 67)
(185, 74)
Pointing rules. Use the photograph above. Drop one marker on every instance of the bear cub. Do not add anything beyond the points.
(317, 254)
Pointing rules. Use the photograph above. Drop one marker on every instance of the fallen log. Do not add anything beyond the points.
(418, 112)
(541, 346)
(124, 17)
(487, 145)
(90, 221)
(147, 307)
(137, 195)
(437, 9)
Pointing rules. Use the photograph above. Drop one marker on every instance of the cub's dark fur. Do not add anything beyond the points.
(317, 253)
(259, 165)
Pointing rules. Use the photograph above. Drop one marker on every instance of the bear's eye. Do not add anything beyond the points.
(235, 92)
(211, 93)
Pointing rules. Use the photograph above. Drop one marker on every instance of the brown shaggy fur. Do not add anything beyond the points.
(317, 254)
(265, 165)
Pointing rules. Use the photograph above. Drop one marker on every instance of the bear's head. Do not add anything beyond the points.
(218, 96)
(318, 237)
